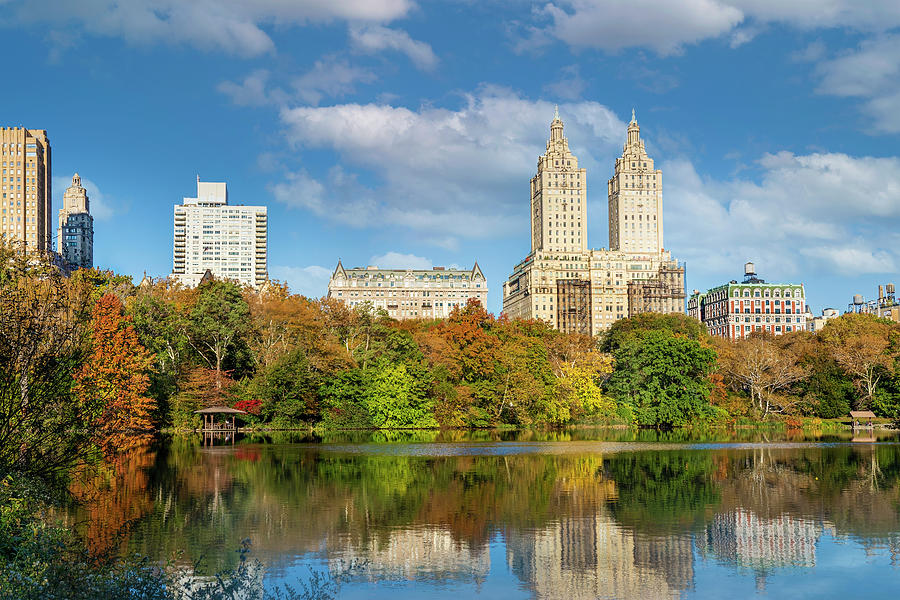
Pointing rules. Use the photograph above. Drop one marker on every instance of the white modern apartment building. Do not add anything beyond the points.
(227, 240)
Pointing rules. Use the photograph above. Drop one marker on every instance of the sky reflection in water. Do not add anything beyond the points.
(448, 516)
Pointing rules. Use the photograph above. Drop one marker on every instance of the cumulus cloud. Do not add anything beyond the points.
(871, 72)
(570, 86)
(616, 24)
(252, 91)
(817, 212)
(397, 260)
(101, 205)
(231, 26)
(340, 198)
(441, 171)
(311, 281)
(667, 27)
(377, 38)
(328, 77)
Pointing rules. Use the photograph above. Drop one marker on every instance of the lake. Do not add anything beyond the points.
(576, 514)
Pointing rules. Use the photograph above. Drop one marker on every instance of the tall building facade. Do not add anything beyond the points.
(229, 241)
(409, 293)
(735, 310)
(75, 231)
(635, 198)
(25, 188)
(579, 290)
(558, 197)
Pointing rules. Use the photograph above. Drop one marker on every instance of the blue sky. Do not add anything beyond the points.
(399, 132)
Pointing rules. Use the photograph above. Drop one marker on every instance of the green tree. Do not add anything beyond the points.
(664, 377)
(288, 388)
(624, 330)
(396, 399)
(219, 323)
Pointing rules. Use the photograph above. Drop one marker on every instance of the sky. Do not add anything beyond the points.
(405, 133)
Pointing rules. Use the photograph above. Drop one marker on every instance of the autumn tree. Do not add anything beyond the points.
(113, 379)
(865, 347)
(43, 338)
(766, 366)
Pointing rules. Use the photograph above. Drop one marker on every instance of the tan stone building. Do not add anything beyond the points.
(580, 290)
(75, 231)
(408, 293)
(25, 190)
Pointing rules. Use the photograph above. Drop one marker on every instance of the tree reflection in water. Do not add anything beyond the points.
(628, 523)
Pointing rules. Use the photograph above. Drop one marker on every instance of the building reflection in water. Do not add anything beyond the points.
(745, 539)
(594, 557)
(422, 553)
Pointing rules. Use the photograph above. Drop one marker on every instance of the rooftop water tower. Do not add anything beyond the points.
(750, 273)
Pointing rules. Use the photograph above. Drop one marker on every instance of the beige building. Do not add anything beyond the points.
(75, 232)
(226, 239)
(25, 190)
(408, 293)
(580, 290)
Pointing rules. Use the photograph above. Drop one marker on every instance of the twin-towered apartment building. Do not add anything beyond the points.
(579, 290)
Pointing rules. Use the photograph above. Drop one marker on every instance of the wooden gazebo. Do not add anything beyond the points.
(865, 416)
(209, 418)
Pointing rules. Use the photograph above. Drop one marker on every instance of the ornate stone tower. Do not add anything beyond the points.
(75, 235)
(635, 199)
(558, 197)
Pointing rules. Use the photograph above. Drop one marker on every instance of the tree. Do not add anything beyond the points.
(219, 321)
(766, 365)
(674, 323)
(396, 399)
(114, 377)
(865, 348)
(664, 377)
(43, 338)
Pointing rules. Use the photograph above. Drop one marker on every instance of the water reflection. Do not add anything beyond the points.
(627, 518)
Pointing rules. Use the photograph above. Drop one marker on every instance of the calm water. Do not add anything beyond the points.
(570, 515)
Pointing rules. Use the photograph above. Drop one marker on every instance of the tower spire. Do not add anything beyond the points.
(633, 118)
(556, 112)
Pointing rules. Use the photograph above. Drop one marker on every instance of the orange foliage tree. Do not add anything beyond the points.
(113, 380)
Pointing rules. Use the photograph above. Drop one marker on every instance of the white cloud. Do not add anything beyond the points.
(376, 38)
(252, 91)
(397, 260)
(310, 281)
(343, 200)
(330, 77)
(441, 171)
(667, 27)
(231, 26)
(871, 72)
(101, 207)
(818, 212)
(570, 86)
(616, 24)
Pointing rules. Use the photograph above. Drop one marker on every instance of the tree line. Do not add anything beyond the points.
(101, 358)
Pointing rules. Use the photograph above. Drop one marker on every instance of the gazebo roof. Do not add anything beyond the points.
(862, 414)
(219, 410)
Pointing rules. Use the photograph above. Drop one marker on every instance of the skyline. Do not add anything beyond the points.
(406, 134)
